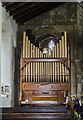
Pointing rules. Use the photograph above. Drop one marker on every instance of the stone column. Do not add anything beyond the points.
(0, 52)
(0, 42)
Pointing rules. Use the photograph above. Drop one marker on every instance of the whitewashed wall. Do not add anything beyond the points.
(9, 30)
(0, 45)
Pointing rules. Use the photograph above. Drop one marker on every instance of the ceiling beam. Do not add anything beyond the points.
(25, 12)
(21, 8)
(6, 3)
(22, 12)
(36, 12)
(13, 6)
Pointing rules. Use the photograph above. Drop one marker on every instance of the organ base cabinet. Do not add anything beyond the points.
(45, 93)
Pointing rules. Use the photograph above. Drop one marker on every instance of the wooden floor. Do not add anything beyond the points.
(44, 112)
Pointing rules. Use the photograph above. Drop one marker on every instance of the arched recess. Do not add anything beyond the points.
(9, 31)
(45, 38)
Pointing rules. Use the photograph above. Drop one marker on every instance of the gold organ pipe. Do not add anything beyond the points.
(60, 57)
(29, 63)
(65, 37)
(68, 62)
(63, 72)
(31, 66)
(44, 71)
(63, 57)
(57, 50)
(24, 44)
(38, 65)
(46, 68)
(26, 57)
(55, 64)
(34, 72)
(42, 68)
(58, 62)
(52, 71)
(63, 46)
(51, 65)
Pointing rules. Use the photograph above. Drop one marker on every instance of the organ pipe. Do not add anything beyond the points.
(46, 71)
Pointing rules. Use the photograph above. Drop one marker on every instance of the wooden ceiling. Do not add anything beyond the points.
(24, 11)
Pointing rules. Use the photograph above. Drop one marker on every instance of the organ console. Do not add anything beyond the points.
(44, 73)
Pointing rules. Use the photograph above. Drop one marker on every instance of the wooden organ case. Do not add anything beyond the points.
(44, 78)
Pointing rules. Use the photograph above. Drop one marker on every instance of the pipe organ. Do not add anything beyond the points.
(44, 78)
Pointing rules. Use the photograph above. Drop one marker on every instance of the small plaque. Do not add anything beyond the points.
(45, 92)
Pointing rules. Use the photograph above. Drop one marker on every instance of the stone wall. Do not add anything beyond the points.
(79, 50)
